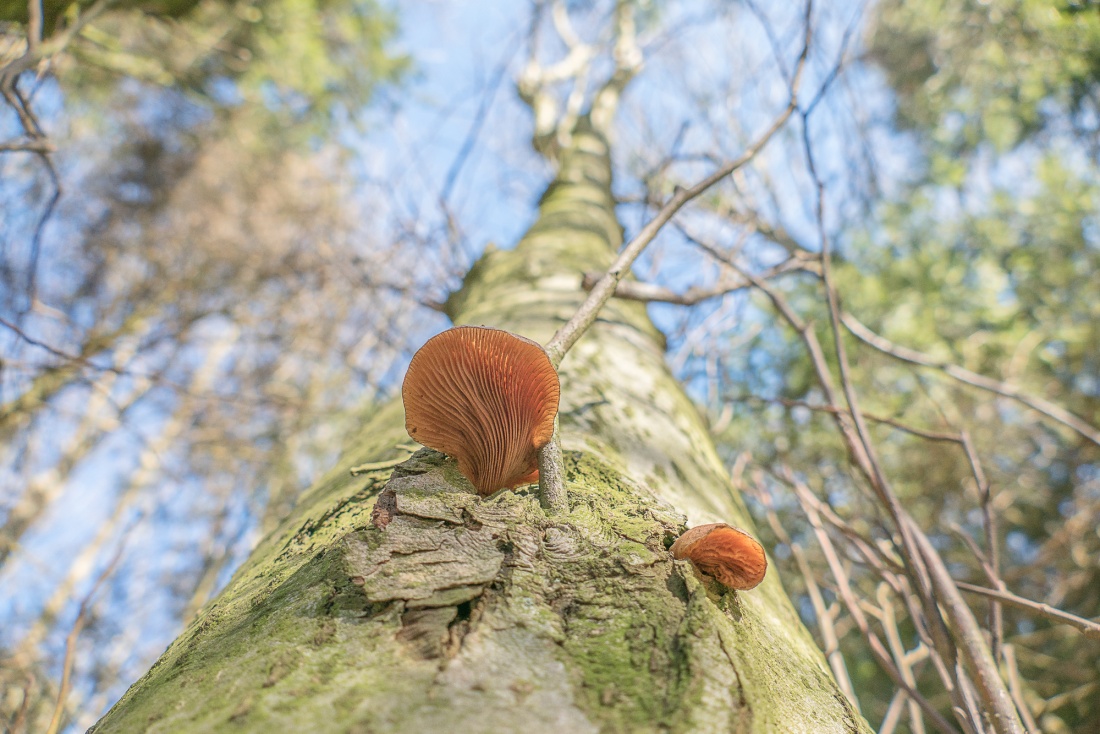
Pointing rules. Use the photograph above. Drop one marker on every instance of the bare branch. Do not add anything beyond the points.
(559, 16)
(602, 291)
(893, 636)
(1045, 407)
(34, 25)
(989, 521)
(1086, 627)
(535, 80)
(376, 466)
(893, 423)
(551, 483)
(70, 643)
(1016, 689)
(996, 700)
(52, 350)
(824, 618)
(20, 720)
(56, 44)
(27, 145)
(916, 547)
(882, 655)
(650, 293)
(476, 126)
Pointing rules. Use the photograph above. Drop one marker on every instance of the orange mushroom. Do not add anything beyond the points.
(485, 397)
(730, 555)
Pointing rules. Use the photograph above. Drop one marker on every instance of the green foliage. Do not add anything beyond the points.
(278, 67)
(16, 11)
(969, 73)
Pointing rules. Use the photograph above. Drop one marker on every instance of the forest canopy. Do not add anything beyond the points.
(226, 226)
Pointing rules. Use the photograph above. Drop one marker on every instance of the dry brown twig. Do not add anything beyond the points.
(70, 643)
(980, 701)
(888, 620)
(1013, 673)
(40, 49)
(39, 52)
(847, 595)
(886, 568)
(650, 293)
(20, 721)
(646, 292)
(989, 560)
(1004, 389)
(1088, 628)
(922, 562)
(825, 621)
(925, 568)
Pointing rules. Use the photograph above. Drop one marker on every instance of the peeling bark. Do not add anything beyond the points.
(404, 602)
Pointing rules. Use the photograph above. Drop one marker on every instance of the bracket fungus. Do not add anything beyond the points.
(730, 555)
(486, 398)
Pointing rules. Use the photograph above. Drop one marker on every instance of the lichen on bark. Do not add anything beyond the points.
(402, 601)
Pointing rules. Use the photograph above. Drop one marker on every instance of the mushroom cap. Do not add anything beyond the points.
(485, 397)
(730, 555)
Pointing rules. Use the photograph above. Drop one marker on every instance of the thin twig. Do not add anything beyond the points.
(651, 293)
(53, 350)
(551, 483)
(1086, 627)
(158, 377)
(35, 141)
(40, 228)
(476, 126)
(27, 145)
(1016, 689)
(886, 567)
(824, 618)
(70, 643)
(1004, 389)
(893, 423)
(996, 701)
(55, 45)
(992, 542)
(603, 290)
(382, 465)
(34, 25)
(20, 721)
(879, 650)
(893, 636)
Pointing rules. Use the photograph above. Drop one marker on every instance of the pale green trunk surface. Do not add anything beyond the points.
(451, 613)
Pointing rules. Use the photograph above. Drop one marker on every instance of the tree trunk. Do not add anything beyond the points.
(393, 602)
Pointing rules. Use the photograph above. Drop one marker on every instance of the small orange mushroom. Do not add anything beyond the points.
(730, 555)
(485, 397)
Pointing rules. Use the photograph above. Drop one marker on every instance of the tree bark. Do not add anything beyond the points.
(399, 601)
